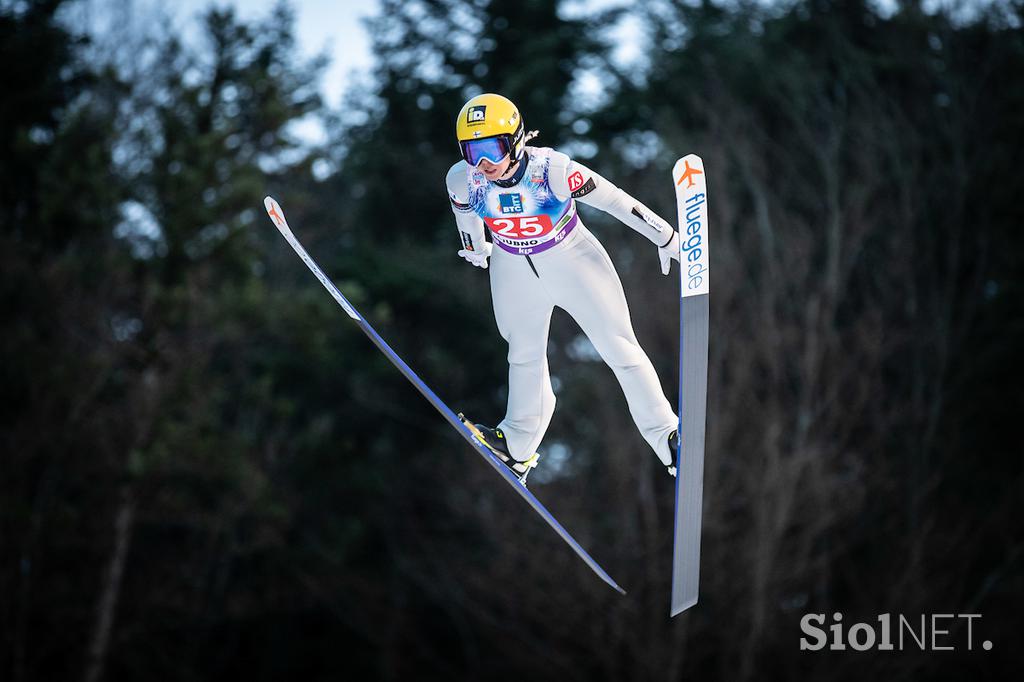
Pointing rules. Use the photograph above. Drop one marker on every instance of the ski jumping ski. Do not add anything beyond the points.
(692, 205)
(277, 216)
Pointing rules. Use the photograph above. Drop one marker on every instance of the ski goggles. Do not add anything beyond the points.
(494, 149)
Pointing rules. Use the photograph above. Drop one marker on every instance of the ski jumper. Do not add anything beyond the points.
(544, 256)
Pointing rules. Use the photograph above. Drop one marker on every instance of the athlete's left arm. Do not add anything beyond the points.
(571, 178)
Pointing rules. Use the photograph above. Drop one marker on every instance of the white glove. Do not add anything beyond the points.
(669, 252)
(478, 257)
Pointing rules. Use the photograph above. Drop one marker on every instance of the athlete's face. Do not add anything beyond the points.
(493, 171)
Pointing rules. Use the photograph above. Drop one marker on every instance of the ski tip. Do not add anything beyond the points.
(689, 168)
(682, 606)
(275, 211)
(603, 575)
(692, 159)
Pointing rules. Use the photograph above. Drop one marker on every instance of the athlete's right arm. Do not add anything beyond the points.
(475, 248)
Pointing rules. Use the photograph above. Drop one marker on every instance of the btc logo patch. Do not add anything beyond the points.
(510, 203)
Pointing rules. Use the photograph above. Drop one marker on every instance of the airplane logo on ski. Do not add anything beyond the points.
(687, 173)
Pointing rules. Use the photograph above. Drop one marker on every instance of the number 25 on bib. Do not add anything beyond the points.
(520, 227)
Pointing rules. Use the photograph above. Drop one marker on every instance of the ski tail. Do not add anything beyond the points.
(692, 204)
(276, 214)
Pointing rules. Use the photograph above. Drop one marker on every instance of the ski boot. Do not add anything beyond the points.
(673, 450)
(494, 440)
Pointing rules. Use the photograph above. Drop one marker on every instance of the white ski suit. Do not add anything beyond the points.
(543, 256)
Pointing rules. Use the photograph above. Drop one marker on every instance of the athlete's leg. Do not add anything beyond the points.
(523, 309)
(589, 289)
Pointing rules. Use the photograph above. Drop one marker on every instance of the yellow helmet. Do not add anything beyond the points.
(489, 127)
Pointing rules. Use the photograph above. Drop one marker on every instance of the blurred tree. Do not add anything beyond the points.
(56, 200)
(127, 278)
(216, 125)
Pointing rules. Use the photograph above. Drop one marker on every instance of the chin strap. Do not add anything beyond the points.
(520, 165)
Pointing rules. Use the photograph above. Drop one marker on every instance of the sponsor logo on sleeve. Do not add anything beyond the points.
(575, 181)
(459, 206)
(467, 241)
(510, 203)
(476, 115)
(584, 189)
(649, 218)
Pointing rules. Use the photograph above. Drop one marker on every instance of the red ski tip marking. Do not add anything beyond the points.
(273, 210)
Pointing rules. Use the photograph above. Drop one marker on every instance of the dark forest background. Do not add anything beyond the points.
(208, 472)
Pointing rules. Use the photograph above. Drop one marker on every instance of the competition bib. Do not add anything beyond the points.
(527, 218)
